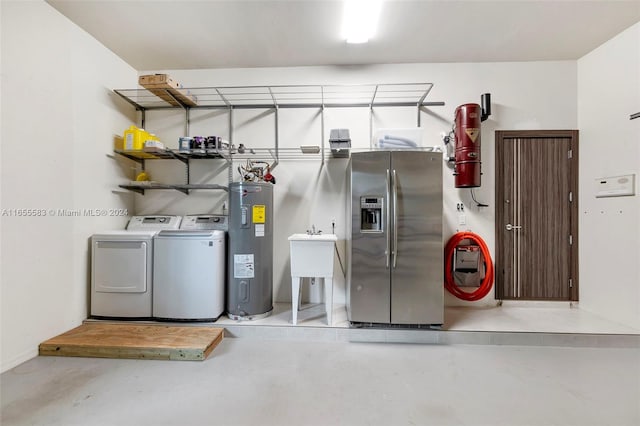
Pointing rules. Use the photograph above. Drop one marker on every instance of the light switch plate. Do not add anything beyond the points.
(616, 186)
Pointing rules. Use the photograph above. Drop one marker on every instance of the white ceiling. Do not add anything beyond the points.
(186, 34)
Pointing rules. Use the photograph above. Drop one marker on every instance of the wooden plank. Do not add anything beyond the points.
(135, 341)
(166, 88)
(165, 93)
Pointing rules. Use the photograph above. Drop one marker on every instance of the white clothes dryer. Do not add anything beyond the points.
(122, 268)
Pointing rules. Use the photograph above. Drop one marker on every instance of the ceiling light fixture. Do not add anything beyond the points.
(360, 20)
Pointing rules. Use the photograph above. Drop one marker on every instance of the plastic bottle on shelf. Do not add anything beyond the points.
(143, 176)
(134, 138)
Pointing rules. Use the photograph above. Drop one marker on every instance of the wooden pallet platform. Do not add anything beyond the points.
(135, 341)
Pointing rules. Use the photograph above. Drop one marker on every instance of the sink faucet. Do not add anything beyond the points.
(313, 231)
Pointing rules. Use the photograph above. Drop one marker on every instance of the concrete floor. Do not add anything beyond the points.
(269, 382)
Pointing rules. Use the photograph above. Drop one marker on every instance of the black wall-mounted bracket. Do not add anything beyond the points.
(485, 101)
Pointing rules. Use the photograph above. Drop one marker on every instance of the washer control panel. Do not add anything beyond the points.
(205, 221)
(156, 222)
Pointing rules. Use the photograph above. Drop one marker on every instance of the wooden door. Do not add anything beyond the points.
(537, 215)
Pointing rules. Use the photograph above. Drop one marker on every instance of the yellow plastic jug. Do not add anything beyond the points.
(134, 139)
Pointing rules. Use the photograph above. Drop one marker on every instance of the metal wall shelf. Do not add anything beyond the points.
(294, 96)
(274, 98)
(171, 154)
(168, 154)
(141, 187)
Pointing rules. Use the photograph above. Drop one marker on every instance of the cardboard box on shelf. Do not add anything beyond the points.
(167, 89)
(162, 80)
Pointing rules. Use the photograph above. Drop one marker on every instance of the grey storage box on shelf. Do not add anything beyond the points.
(340, 143)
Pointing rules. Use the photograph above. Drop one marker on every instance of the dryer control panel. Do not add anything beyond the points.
(151, 223)
(206, 221)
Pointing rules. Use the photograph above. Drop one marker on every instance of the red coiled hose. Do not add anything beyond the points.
(449, 282)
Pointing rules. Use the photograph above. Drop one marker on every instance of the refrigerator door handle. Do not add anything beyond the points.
(386, 251)
(394, 250)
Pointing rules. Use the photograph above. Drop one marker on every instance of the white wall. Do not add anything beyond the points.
(608, 93)
(59, 119)
(528, 95)
(1, 145)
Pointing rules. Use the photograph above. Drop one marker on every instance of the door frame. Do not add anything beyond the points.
(572, 135)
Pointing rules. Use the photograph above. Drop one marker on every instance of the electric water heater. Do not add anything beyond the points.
(250, 260)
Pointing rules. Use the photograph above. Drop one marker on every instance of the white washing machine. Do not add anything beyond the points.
(122, 268)
(189, 270)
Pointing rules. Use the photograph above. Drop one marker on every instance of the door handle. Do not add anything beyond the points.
(394, 252)
(510, 227)
(387, 218)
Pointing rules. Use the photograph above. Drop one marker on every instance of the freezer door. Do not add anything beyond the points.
(417, 295)
(369, 286)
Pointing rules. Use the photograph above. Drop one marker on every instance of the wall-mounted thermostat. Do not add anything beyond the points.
(616, 186)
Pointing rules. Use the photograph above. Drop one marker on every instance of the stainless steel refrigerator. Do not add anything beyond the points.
(395, 265)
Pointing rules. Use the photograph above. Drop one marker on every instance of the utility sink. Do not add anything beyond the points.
(313, 237)
(312, 255)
